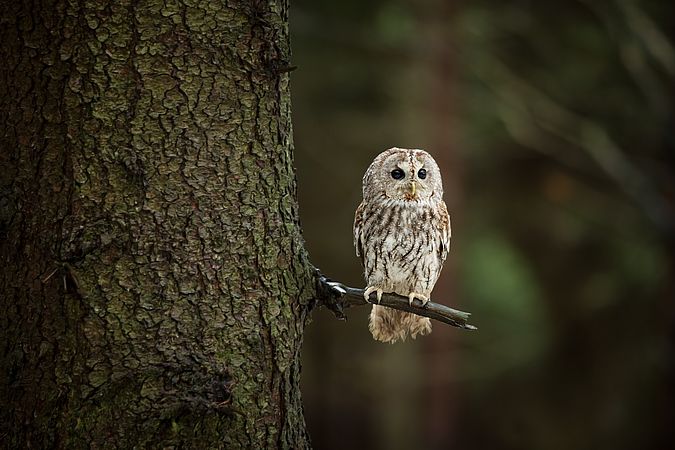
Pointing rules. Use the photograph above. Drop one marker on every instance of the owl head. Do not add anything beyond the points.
(403, 174)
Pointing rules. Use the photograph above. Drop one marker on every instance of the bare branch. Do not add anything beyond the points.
(336, 296)
(536, 107)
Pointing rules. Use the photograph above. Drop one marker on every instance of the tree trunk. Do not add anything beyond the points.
(155, 287)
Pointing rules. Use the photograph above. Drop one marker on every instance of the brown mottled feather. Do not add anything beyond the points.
(402, 234)
(358, 222)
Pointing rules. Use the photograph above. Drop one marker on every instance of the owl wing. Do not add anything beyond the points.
(444, 232)
(358, 228)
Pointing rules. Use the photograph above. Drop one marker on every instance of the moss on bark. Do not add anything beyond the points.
(155, 287)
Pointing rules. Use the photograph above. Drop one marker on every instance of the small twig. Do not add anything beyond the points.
(50, 275)
(286, 69)
(68, 275)
(336, 296)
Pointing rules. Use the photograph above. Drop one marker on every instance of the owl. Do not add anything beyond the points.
(402, 234)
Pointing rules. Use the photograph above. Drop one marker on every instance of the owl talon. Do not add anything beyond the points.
(413, 295)
(369, 290)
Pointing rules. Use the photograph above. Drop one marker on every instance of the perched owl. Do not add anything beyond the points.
(402, 234)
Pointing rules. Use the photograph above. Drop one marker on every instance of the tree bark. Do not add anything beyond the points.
(155, 287)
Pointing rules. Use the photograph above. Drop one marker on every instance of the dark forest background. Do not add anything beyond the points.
(554, 125)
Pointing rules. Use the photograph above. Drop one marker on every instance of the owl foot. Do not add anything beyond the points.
(369, 290)
(413, 295)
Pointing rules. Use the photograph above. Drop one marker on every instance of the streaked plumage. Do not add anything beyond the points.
(402, 234)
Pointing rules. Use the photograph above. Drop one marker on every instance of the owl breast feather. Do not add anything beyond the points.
(401, 248)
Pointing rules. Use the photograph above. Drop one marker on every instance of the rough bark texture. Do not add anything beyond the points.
(155, 287)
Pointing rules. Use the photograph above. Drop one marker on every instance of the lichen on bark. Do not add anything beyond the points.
(156, 287)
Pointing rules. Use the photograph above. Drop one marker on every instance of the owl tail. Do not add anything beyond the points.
(391, 325)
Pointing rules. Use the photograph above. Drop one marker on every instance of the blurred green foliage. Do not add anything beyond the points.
(554, 123)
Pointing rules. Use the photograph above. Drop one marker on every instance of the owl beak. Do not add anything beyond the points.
(413, 188)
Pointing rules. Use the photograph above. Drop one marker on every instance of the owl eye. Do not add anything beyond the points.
(422, 174)
(397, 174)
